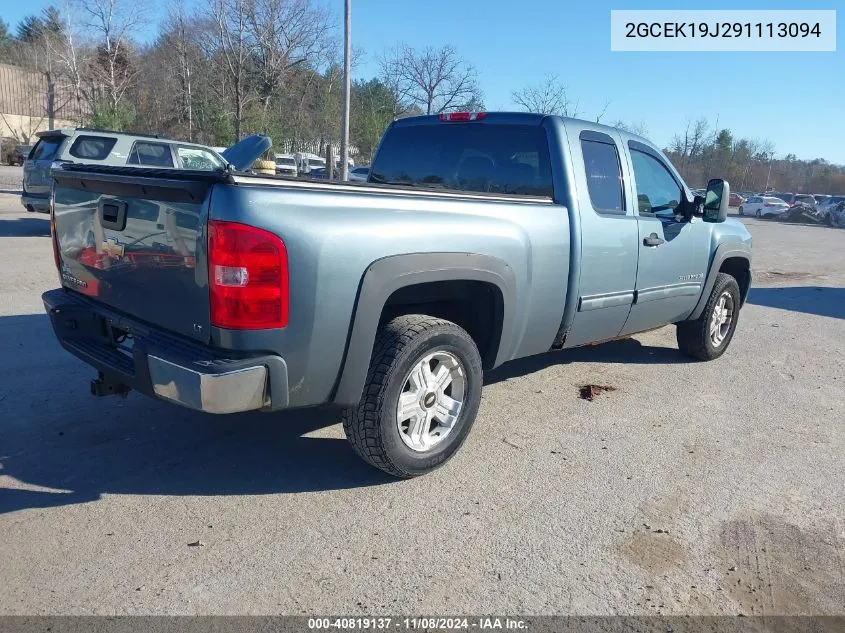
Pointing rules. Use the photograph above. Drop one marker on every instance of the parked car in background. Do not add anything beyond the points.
(830, 203)
(804, 198)
(736, 199)
(321, 173)
(306, 161)
(835, 215)
(19, 154)
(360, 173)
(103, 147)
(763, 206)
(788, 198)
(820, 198)
(286, 165)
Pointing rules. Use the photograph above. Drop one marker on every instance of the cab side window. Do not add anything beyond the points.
(604, 173)
(657, 189)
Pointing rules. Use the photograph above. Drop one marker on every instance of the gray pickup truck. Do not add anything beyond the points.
(478, 239)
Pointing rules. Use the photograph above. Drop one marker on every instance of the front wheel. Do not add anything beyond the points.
(741, 212)
(421, 397)
(708, 336)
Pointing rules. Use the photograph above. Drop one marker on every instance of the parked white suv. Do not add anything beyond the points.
(101, 147)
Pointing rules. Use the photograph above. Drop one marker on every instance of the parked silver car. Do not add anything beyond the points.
(360, 173)
(100, 147)
(763, 206)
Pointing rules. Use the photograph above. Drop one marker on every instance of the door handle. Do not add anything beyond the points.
(653, 240)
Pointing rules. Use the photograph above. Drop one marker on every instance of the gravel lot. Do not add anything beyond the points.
(691, 489)
(10, 179)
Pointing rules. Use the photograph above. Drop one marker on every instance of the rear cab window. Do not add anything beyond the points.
(46, 148)
(474, 157)
(92, 147)
(150, 154)
(604, 172)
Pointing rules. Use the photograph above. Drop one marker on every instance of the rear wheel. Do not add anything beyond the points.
(708, 336)
(741, 212)
(758, 214)
(421, 397)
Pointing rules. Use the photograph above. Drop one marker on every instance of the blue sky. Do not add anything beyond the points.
(795, 100)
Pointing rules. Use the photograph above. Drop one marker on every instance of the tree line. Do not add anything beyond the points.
(228, 68)
(703, 151)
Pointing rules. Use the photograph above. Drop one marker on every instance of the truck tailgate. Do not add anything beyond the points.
(135, 240)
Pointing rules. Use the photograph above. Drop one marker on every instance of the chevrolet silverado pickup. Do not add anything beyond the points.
(478, 238)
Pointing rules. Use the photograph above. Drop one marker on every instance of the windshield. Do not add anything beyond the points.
(316, 162)
(198, 158)
(285, 161)
(504, 159)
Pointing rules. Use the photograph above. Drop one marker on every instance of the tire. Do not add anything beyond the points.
(265, 167)
(695, 338)
(759, 214)
(374, 427)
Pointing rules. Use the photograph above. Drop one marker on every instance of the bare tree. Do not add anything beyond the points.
(547, 97)
(182, 42)
(603, 111)
(634, 127)
(229, 42)
(434, 79)
(72, 57)
(111, 23)
(284, 34)
(690, 143)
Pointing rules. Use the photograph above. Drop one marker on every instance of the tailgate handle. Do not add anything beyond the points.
(112, 214)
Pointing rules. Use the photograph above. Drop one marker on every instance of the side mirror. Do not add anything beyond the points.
(717, 200)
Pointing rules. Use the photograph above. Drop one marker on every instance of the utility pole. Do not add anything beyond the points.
(347, 54)
(769, 175)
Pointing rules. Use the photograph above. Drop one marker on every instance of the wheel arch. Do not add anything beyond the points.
(392, 282)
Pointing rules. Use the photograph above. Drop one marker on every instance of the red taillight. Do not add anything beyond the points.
(462, 116)
(247, 277)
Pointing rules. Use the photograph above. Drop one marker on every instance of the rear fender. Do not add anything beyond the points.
(386, 276)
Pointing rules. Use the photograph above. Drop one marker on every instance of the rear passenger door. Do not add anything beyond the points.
(609, 234)
(674, 253)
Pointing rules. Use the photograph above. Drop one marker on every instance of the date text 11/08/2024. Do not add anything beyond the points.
(421, 623)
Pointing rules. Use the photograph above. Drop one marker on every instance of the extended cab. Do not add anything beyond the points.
(478, 239)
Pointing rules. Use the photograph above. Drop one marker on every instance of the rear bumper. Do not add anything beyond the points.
(162, 365)
(36, 202)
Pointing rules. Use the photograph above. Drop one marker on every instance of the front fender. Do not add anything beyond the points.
(723, 252)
